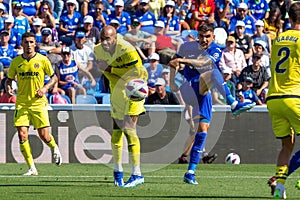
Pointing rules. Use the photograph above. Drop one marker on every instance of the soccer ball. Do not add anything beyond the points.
(232, 158)
(136, 89)
(298, 185)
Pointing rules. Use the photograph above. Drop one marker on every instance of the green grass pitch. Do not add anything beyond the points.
(95, 181)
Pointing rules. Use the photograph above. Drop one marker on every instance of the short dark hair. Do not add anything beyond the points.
(206, 27)
(257, 55)
(294, 12)
(28, 34)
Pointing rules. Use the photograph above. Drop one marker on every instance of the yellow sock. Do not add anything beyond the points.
(117, 147)
(51, 143)
(134, 147)
(281, 174)
(26, 151)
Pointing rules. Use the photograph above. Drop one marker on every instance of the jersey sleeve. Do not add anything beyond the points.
(48, 67)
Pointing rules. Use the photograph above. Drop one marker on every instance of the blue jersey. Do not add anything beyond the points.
(258, 9)
(68, 73)
(192, 50)
(71, 23)
(202, 104)
(15, 38)
(1, 23)
(147, 21)
(38, 38)
(29, 6)
(250, 96)
(174, 22)
(6, 55)
(249, 25)
(98, 23)
(22, 25)
(124, 20)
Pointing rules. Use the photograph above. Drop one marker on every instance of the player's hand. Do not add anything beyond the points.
(10, 92)
(94, 82)
(41, 92)
(174, 64)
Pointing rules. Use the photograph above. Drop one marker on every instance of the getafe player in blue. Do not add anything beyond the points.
(200, 60)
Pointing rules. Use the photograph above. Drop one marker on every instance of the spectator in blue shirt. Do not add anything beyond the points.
(172, 24)
(2, 15)
(146, 17)
(247, 94)
(7, 52)
(21, 23)
(101, 19)
(242, 11)
(15, 36)
(258, 9)
(69, 22)
(122, 16)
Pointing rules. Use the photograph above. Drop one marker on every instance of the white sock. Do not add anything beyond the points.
(118, 167)
(136, 170)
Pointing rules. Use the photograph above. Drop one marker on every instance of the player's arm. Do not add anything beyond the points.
(8, 87)
(42, 91)
(103, 66)
(202, 62)
(85, 70)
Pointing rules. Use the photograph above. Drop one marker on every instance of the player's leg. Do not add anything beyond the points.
(196, 151)
(202, 115)
(21, 122)
(26, 150)
(40, 121)
(214, 78)
(117, 148)
(50, 141)
(134, 150)
(284, 128)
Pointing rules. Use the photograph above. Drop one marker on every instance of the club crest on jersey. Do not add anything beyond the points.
(36, 65)
(119, 59)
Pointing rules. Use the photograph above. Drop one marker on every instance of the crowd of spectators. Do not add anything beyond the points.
(154, 28)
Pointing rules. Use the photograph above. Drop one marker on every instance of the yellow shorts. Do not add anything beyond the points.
(285, 116)
(121, 105)
(39, 117)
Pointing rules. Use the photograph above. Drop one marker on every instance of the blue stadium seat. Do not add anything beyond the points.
(86, 99)
(193, 33)
(105, 98)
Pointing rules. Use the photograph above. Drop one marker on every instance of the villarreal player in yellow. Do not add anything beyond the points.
(120, 63)
(283, 99)
(29, 69)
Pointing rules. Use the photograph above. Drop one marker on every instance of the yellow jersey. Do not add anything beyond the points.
(285, 65)
(30, 75)
(125, 62)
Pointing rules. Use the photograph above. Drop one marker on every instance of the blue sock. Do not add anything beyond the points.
(197, 150)
(294, 162)
(221, 85)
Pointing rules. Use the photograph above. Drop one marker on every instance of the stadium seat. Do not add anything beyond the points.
(106, 98)
(220, 36)
(50, 98)
(85, 99)
(193, 33)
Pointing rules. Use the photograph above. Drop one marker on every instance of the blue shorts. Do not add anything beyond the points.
(202, 104)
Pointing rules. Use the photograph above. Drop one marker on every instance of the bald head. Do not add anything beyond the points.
(108, 37)
(108, 31)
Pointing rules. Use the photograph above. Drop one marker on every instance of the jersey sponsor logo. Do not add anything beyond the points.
(28, 74)
(20, 66)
